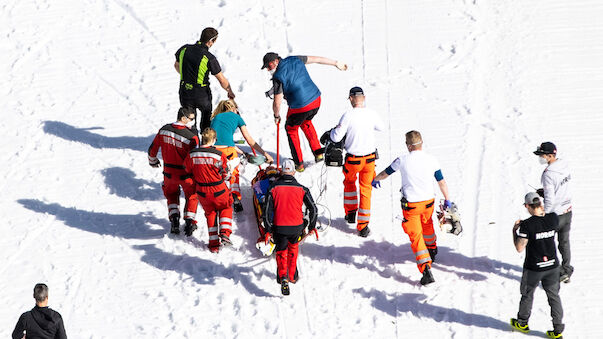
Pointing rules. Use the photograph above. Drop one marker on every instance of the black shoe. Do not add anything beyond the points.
(427, 276)
(175, 221)
(520, 326)
(364, 232)
(350, 218)
(432, 253)
(190, 227)
(225, 240)
(237, 206)
(554, 335)
(285, 286)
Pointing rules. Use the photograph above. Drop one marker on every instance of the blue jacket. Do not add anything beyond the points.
(298, 88)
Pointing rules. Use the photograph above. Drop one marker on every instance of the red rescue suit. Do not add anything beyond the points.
(175, 141)
(284, 218)
(209, 169)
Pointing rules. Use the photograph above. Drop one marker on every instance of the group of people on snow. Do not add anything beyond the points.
(207, 169)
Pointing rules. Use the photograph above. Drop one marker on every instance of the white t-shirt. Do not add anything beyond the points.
(358, 125)
(418, 175)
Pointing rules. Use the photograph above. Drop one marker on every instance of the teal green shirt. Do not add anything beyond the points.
(225, 125)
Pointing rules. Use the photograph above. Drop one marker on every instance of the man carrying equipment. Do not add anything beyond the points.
(209, 170)
(193, 63)
(537, 235)
(175, 141)
(557, 198)
(284, 221)
(358, 126)
(418, 169)
(292, 81)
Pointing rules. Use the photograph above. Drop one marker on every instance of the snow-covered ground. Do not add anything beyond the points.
(86, 85)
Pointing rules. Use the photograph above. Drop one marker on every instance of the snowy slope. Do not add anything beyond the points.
(86, 85)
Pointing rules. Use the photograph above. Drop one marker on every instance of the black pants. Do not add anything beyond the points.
(550, 282)
(563, 236)
(199, 98)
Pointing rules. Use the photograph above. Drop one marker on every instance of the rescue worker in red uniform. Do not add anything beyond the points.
(175, 141)
(284, 221)
(208, 167)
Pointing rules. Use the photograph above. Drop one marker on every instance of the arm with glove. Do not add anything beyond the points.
(152, 153)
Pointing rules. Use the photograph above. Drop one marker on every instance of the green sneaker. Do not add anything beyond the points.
(518, 326)
(554, 335)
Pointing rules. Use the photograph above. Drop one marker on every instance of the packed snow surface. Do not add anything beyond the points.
(87, 84)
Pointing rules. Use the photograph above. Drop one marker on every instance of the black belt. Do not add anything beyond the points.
(216, 194)
(357, 162)
(173, 166)
(209, 184)
(182, 177)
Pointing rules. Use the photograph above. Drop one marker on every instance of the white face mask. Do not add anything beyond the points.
(272, 71)
(542, 161)
(190, 124)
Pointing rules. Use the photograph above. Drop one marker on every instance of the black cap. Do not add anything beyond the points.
(270, 56)
(354, 91)
(546, 148)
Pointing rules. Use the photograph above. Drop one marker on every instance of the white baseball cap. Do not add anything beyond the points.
(288, 166)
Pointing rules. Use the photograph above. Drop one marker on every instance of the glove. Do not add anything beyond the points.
(311, 228)
(447, 204)
(341, 66)
(267, 237)
(155, 164)
(376, 184)
(326, 137)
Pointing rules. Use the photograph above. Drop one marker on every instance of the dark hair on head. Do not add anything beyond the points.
(40, 292)
(208, 34)
(185, 111)
(535, 203)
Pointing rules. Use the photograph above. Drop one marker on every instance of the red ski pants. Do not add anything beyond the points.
(362, 167)
(418, 224)
(287, 248)
(218, 212)
(303, 120)
(171, 190)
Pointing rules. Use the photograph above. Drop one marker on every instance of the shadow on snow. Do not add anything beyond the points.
(123, 183)
(203, 271)
(83, 135)
(128, 226)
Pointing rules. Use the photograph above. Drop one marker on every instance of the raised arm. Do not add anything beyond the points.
(326, 61)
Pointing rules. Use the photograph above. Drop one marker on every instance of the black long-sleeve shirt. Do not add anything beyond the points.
(42, 323)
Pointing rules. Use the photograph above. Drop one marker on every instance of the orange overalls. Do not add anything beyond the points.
(363, 166)
(418, 224)
(233, 182)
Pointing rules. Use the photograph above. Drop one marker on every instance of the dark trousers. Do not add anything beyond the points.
(550, 282)
(199, 98)
(563, 236)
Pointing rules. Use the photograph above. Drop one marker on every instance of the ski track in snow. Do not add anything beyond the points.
(484, 82)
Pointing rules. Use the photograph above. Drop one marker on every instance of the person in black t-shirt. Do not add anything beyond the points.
(41, 322)
(537, 235)
(194, 63)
